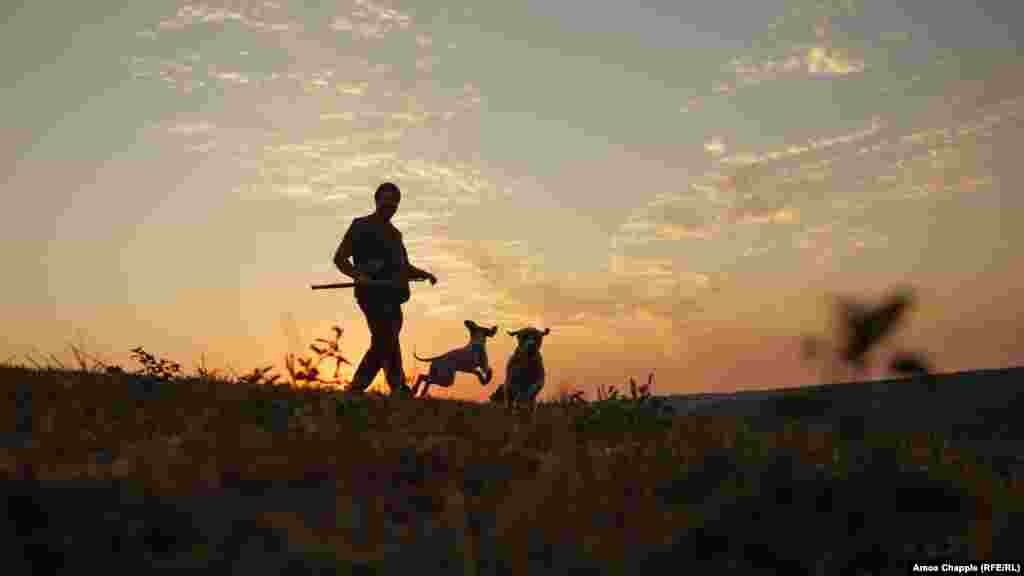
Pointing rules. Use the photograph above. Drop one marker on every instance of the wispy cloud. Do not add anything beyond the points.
(515, 288)
(264, 17)
(800, 45)
(353, 89)
(191, 128)
(427, 63)
(204, 147)
(370, 20)
(231, 77)
(811, 145)
(803, 61)
(715, 146)
(346, 116)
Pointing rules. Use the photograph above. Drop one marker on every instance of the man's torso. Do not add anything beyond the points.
(377, 250)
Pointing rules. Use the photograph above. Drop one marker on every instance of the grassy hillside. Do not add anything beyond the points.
(118, 469)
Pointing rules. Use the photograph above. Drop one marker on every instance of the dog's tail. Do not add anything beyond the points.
(425, 359)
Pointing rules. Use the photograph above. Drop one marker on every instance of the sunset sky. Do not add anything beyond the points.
(668, 186)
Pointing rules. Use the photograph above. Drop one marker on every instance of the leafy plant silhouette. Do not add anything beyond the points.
(153, 366)
(308, 371)
(161, 369)
(613, 410)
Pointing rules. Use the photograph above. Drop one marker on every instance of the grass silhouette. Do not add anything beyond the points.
(336, 482)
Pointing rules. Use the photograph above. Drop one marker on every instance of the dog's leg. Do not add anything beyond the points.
(425, 388)
(509, 397)
(485, 367)
(536, 388)
(419, 380)
(481, 375)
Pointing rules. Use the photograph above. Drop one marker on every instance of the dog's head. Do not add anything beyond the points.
(478, 332)
(529, 339)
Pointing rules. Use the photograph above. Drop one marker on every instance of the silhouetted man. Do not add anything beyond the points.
(378, 254)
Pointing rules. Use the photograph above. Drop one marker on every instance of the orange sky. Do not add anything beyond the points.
(664, 188)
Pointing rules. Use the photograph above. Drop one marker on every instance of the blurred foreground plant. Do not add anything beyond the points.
(863, 327)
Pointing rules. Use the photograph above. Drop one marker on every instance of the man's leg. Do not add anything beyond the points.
(392, 358)
(371, 362)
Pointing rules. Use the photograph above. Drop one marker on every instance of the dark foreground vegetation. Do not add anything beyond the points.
(117, 471)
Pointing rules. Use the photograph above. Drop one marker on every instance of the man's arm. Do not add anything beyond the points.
(418, 273)
(343, 253)
(414, 272)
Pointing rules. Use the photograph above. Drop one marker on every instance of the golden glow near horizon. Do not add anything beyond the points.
(666, 187)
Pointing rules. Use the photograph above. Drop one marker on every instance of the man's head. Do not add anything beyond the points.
(387, 198)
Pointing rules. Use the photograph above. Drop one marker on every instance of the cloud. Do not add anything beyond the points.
(190, 128)
(691, 105)
(786, 215)
(715, 146)
(455, 183)
(825, 189)
(941, 159)
(803, 61)
(342, 24)
(811, 145)
(249, 16)
(798, 46)
(371, 21)
(737, 204)
(232, 77)
(204, 147)
(822, 61)
(669, 231)
(514, 288)
(346, 116)
(297, 191)
(426, 63)
(353, 89)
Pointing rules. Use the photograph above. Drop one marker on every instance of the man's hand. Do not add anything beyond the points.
(431, 278)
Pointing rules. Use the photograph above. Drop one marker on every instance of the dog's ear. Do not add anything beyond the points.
(493, 331)
(469, 324)
(547, 331)
(516, 333)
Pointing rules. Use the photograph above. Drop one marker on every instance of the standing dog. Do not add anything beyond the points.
(524, 374)
(471, 358)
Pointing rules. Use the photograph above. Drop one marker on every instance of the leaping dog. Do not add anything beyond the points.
(524, 373)
(471, 358)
